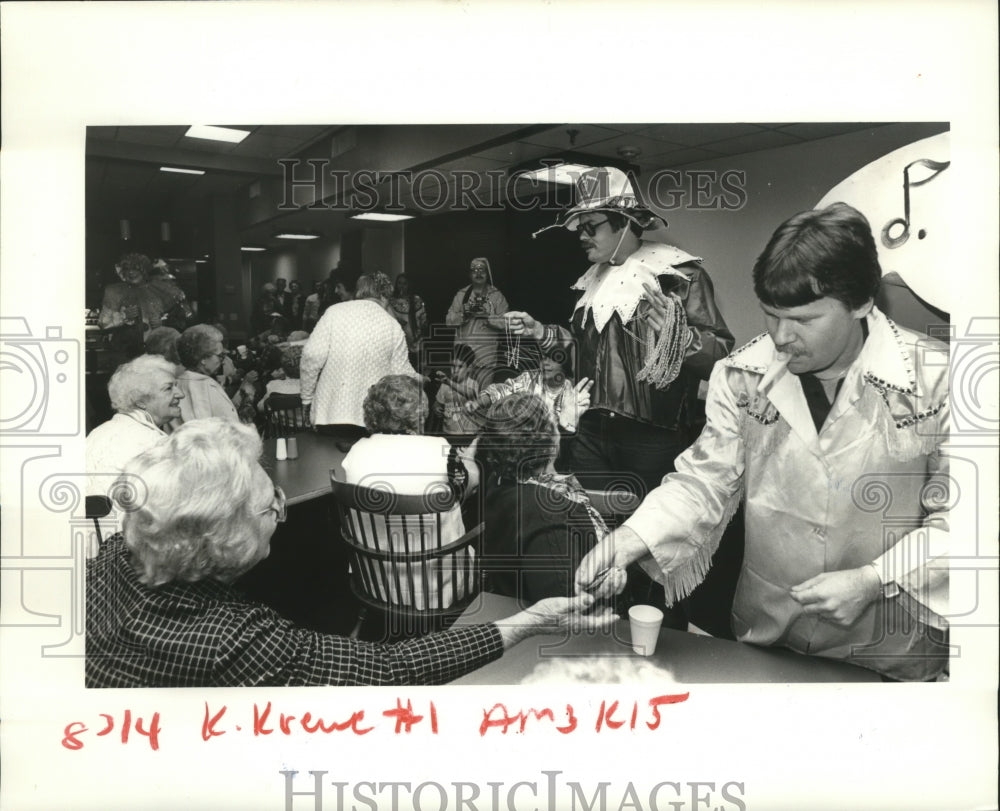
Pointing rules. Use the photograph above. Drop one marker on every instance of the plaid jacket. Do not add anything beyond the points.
(207, 634)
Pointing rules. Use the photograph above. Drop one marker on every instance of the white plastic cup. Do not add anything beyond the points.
(281, 452)
(645, 622)
(242, 350)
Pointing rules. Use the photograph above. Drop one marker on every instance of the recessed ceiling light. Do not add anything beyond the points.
(211, 133)
(377, 216)
(252, 248)
(565, 173)
(293, 235)
(182, 171)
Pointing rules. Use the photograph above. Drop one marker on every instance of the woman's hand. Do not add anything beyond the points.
(555, 614)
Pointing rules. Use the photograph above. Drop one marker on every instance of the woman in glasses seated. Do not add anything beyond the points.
(201, 351)
(199, 511)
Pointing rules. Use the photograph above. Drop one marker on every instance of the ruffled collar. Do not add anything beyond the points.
(609, 289)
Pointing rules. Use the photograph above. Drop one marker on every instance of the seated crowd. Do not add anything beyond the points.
(513, 444)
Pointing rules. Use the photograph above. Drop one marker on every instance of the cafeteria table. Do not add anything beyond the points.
(307, 477)
(690, 658)
(305, 578)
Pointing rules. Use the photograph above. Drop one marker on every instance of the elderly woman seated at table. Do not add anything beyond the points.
(201, 351)
(199, 511)
(145, 397)
(538, 524)
(395, 456)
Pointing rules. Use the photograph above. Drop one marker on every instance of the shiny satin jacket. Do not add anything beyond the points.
(871, 487)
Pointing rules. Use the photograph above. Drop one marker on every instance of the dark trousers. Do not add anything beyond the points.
(611, 449)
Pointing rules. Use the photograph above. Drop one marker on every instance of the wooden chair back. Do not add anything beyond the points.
(409, 560)
(285, 415)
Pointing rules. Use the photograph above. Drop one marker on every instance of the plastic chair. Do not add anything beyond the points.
(399, 568)
(285, 415)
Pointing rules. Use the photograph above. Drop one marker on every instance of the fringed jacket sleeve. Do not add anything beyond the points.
(682, 520)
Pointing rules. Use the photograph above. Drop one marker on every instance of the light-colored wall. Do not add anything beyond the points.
(779, 183)
(381, 250)
(305, 262)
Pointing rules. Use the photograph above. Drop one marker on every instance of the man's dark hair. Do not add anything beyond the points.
(344, 277)
(819, 253)
(618, 221)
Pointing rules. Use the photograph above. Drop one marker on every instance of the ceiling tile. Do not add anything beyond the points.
(473, 163)
(102, 133)
(824, 129)
(514, 152)
(609, 148)
(754, 142)
(151, 136)
(302, 132)
(698, 134)
(557, 138)
(267, 146)
(679, 157)
(206, 145)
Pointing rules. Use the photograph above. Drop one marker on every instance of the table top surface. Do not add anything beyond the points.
(307, 477)
(689, 658)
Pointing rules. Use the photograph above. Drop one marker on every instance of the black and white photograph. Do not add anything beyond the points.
(528, 422)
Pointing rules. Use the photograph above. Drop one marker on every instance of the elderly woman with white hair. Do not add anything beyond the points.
(199, 511)
(355, 344)
(201, 351)
(145, 397)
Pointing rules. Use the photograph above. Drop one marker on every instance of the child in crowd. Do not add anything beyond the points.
(565, 401)
(289, 383)
(456, 400)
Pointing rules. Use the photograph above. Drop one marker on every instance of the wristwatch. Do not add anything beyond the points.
(889, 590)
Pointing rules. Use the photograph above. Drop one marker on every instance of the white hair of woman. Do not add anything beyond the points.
(205, 508)
(134, 382)
(374, 285)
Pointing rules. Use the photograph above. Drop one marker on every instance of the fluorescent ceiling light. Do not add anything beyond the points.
(227, 134)
(201, 261)
(182, 171)
(252, 248)
(293, 235)
(566, 173)
(377, 216)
